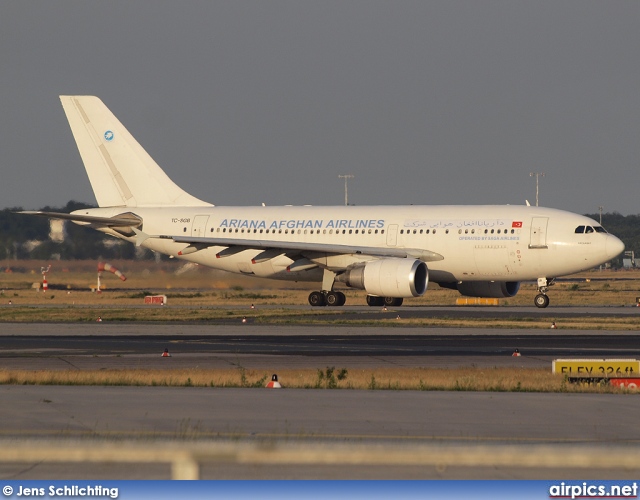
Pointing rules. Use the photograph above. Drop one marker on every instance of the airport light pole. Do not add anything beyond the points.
(601, 208)
(346, 178)
(537, 176)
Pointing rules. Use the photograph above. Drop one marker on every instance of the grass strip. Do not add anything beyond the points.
(421, 379)
(325, 317)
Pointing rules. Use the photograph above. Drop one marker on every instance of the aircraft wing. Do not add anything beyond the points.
(416, 253)
(133, 221)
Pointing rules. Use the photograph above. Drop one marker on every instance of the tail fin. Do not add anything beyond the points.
(121, 172)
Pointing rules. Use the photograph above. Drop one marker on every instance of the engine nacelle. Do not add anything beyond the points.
(492, 289)
(390, 277)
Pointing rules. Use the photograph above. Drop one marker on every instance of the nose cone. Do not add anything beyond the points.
(614, 247)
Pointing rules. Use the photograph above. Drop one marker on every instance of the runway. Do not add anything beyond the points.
(139, 345)
(595, 422)
(407, 418)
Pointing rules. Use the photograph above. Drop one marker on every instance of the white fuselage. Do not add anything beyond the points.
(477, 243)
(391, 252)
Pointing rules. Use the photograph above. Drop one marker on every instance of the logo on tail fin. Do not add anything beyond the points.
(108, 135)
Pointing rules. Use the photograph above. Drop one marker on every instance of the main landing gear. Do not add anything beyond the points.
(542, 300)
(375, 301)
(337, 299)
(333, 299)
(327, 297)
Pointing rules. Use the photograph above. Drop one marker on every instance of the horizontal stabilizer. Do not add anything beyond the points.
(131, 221)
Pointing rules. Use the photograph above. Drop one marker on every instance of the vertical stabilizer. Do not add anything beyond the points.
(121, 172)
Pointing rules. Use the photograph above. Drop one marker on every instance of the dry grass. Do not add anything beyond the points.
(198, 294)
(426, 379)
(287, 316)
(199, 286)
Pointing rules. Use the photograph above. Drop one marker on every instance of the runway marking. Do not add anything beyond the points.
(293, 436)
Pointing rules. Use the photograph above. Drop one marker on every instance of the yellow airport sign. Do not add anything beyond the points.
(599, 368)
(476, 301)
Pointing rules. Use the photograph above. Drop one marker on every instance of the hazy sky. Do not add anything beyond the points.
(243, 102)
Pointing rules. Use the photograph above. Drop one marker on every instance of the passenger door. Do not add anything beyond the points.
(539, 232)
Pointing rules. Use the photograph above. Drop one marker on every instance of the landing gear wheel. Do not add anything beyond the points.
(333, 299)
(316, 299)
(541, 301)
(393, 301)
(343, 298)
(374, 301)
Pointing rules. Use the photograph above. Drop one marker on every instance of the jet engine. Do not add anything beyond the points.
(493, 289)
(389, 277)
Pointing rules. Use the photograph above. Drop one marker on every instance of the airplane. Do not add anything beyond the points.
(391, 252)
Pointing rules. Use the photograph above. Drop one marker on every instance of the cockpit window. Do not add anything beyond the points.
(590, 229)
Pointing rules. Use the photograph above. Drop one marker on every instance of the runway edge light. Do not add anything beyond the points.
(273, 384)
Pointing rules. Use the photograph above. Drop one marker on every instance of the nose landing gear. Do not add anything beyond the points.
(542, 300)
